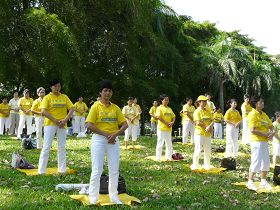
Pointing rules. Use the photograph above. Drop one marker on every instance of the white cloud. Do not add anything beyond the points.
(257, 18)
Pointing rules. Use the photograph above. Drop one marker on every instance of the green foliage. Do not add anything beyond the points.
(143, 46)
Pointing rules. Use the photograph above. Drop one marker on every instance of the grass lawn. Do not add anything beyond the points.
(165, 185)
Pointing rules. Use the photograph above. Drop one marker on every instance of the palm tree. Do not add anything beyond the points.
(227, 62)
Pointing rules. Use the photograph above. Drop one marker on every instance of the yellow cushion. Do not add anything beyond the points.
(104, 200)
(138, 147)
(275, 189)
(212, 170)
(49, 171)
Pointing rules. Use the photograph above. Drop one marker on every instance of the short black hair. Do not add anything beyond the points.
(54, 82)
(130, 98)
(229, 102)
(3, 97)
(277, 114)
(188, 98)
(105, 84)
(207, 94)
(255, 100)
(161, 97)
(246, 96)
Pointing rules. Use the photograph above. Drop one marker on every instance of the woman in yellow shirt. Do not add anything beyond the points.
(218, 123)
(261, 131)
(79, 115)
(203, 120)
(4, 116)
(54, 107)
(245, 109)
(130, 112)
(152, 113)
(25, 104)
(166, 119)
(188, 124)
(233, 120)
(107, 122)
(39, 119)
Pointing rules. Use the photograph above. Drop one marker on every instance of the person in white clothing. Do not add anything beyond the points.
(14, 114)
(107, 122)
(130, 112)
(25, 104)
(39, 118)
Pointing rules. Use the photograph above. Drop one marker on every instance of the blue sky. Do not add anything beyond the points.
(257, 18)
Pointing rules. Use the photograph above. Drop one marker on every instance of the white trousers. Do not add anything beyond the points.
(4, 122)
(100, 146)
(22, 120)
(14, 122)
(39, 131)
(164, 136)
(49, 132)
(218, 132)
(231, 141)
(275, 148)
(205, 143)
(245, 131)
(131, 131)
(188, 128)
(259, 157)
(79, 124)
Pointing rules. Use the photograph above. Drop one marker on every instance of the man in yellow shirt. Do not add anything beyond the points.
(188, 124)
(166, 119)
(4, 116)
(131, 114)
(107, 122)
(152, 113)
(261, 131)
(54, 107)
(25, 104)
(218, 123)
(79, 115)
(203, 120)
(245, 109)
(39, 118)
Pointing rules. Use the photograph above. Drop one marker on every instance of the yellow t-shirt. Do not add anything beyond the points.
(36, 106)
(153, 112)
(105, 118)
(259, 121)
(81, 107)
(206, 117)
(139, 110)
(276, 126)
(167, 115)
(232, 116)
(56, 106)
(25, 104)
(245, 109)
(190, 110)
(218, 117)
(4, 108)
(210, 106)
(130, 112)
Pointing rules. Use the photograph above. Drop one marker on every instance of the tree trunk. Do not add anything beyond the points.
(221, 97)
